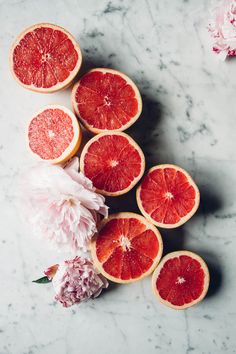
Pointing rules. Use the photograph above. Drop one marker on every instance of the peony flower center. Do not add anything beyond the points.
(125, 243)
(180, 280)
(71, 202)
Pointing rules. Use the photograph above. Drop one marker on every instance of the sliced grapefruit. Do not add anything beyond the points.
(45, 58)
(168, 196)
(54, 134)
(106, 99)
(126, 248)
(113, 162)
(181, 279)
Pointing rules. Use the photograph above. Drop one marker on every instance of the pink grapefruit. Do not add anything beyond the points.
(45, 58)
(168, 196)
(54, 134)
(126, 248)
(113, 162)
(181, 279)
(106, 99)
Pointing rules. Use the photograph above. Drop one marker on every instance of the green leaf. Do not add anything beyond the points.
(43, 280)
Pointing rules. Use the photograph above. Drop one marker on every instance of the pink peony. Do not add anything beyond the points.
(61, 204)
(76, 280)
(223, 29)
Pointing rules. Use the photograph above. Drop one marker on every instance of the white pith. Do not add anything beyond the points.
(114, 163)
(169, 195)
(180, 280)
(51, 134)
(125, 243)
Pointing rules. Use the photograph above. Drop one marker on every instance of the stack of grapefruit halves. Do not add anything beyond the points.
(128, 246)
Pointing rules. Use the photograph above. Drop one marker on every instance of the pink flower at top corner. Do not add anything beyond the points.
(76, 280)
(62, 205)
(222, 28)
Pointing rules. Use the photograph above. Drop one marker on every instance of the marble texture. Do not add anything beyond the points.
(188, 119)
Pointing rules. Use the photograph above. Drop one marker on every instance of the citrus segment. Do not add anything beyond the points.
(45, 58)
(113, 161)
(181, 279)
(126, 247)
(106, 99)
(168, 196)
(54, 134)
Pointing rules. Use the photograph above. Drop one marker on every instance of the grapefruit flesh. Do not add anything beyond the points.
(168, 196)
(54, 134)
(106, 99)
(113, 162)
(126, 248)
(45, 58)
(181, 279)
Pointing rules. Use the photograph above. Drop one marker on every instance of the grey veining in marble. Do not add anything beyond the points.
(188, 119)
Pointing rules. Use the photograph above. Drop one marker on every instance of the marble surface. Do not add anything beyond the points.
(188, 119)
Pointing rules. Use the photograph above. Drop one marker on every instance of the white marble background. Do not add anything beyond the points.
(188, 119)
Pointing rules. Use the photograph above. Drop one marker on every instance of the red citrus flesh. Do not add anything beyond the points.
(106, 99)
(126, 248)
(45, 58)
(168, 196)
(114, 163)
(54, 134)
(181, 279)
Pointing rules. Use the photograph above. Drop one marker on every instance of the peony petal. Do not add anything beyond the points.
(62, 205)
(222, 28)
(77, 280)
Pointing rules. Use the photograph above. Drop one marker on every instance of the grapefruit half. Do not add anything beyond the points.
(53, 134)
(106, 99)
(113, 162)
(181, 279)
(45, 58)
(168, 196)
(126, 248)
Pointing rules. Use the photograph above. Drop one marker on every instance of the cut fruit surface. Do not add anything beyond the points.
(113, 162)
(54, 134)
(45, 58)
(106, 99)
(181, 279)
(126, 248)
(168, 196)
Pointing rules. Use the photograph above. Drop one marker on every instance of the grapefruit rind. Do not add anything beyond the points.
(98, 264)
(133, 143)
(125, 126)
(75, 143)
(184, 219)
(60, 85)
(177, 254)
